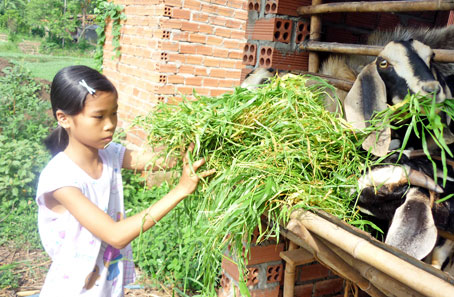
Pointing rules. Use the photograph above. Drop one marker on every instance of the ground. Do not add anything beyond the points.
(30, 264)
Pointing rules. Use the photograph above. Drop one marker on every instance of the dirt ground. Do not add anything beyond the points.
(30, 265)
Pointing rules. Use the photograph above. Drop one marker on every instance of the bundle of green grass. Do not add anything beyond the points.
(274, 149)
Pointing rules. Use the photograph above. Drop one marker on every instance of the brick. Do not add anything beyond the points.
(227, 83)
(213, 40)
(189, 26)
(192, 4)
(312, 272)
(200, 17)
(185, 90)
(166, 90)
(195, 60)
(201, 71)
(263, 254)
(173, 2)
(180, 36)
(220, 52)
(268, 292)
(167, 68)
(188, 49)
(208, 29)
(175, 79)
(303, 290)
(194, 81)
(187, 69)
(181, 14)
(204, 50)
(330, 286)
(211, 62)
(199, 38)
(211, 82)
(284, 7)
(171, 24)
(176, 57)
(218, 20)
(223, 32)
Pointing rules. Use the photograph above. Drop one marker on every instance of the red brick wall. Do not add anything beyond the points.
(170, 48)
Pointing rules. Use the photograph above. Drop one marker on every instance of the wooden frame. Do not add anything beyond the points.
(375, 267)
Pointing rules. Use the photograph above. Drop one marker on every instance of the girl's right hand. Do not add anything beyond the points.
(189, 178)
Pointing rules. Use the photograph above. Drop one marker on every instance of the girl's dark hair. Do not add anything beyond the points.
(67, 95)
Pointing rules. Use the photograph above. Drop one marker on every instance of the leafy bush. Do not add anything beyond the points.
(168, 252)
(24, 122)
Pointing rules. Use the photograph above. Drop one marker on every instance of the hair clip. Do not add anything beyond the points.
(84, 84)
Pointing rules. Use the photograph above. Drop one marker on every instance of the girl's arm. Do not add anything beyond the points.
(119, 234)
(138, 160)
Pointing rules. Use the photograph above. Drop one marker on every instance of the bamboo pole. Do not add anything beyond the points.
(381, 280)
(289, 275)
(441, 55)
(377, 6)
(320, 251)
(315, 32)
(404, 272)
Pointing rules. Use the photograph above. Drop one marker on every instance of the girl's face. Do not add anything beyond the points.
(95, 125)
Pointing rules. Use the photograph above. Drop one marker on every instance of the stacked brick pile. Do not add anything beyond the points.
(170, 48)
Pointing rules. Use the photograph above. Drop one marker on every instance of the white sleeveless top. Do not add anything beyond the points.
(83, 265)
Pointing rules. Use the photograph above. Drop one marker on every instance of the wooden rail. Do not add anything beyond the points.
(377, 6)
(441, 55)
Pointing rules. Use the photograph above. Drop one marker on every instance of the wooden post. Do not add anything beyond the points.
(376, 6)
(325, 255)
(293, 257)
(315, 29)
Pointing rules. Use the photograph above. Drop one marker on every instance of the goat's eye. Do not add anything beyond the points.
(383, 64)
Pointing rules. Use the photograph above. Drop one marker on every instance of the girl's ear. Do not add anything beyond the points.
(62, 118)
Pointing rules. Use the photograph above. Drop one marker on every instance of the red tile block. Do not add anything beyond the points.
(302, 31)
(249, 54)
(312, 272)
(268, 292)
(253, 5)
(285, 7)
(274, 29)
(252, 276)
(330, 286)
(303, 290)
(274, 273)
(263, 254)
(272, 58)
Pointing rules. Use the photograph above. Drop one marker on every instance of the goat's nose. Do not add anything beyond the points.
(432, 88)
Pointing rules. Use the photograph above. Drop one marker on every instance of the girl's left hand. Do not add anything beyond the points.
(190, 178)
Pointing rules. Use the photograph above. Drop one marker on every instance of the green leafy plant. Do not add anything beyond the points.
(275, 149)
(107, 11)
(24, 122)
(420, 116)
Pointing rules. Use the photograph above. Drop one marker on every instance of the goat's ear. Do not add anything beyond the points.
(413, 229)
(368, 95)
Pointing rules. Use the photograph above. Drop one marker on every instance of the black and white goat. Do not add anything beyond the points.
(403, 193)
(405, 65)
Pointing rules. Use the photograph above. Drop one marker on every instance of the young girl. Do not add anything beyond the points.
(81, 216)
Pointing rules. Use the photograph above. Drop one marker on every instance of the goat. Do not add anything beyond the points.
(402, 192)
(405, 65)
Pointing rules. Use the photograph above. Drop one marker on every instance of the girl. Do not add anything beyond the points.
(80, 195)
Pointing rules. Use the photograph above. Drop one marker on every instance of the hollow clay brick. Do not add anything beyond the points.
(274, 29)
(285, 7)
(249, 54)
(269, 57)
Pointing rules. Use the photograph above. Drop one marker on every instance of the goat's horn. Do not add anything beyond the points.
(417, 178)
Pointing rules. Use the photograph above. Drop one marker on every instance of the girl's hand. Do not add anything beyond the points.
(189, 179)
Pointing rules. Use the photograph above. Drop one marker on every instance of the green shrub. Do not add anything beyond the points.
(24, 122)
(167, 252)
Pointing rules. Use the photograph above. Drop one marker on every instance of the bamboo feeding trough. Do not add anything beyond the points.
(375, 267)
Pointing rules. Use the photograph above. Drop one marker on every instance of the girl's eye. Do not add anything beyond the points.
(98, 117)
(383, 64)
